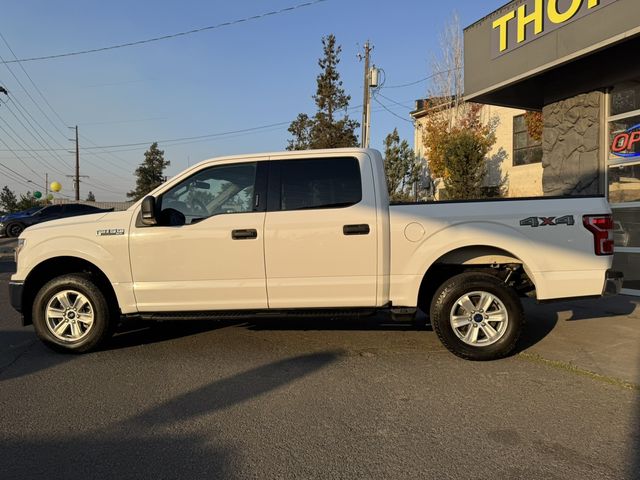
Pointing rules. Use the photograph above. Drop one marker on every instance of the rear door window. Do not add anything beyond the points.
(319, 183)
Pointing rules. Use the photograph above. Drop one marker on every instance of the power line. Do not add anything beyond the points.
(42, 96)
(103, 189)
(172, 141)
(170, 36)
(42, 161)
(14, 179)
(424, 79)
(18, 104)
(24, 113)
(390, 111)
(198, 137)
(14, 172)
(393, 101)
(119, 159)
(37, 90)
(165, 144)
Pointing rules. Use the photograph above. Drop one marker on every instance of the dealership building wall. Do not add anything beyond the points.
(574, 60)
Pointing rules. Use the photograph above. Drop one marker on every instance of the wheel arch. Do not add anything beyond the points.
(471, 257)
(56, 267)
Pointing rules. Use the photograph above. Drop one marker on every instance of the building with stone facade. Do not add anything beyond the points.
(515, 160)
(574, 60)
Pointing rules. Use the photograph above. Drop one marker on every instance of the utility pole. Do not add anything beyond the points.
(46, 187)
(366, 102)
(77, 167)
(77, 176)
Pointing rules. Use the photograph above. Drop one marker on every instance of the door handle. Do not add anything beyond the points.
(356, 229)
(249, 234)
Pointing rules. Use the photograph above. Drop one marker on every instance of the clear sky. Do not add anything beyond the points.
(239, 77)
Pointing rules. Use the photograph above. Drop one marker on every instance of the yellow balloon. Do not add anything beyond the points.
(55, 186)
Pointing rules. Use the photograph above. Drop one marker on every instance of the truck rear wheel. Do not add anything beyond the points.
(477, 317)
(71, 314)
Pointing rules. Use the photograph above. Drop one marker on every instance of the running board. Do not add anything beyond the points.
(249, 314)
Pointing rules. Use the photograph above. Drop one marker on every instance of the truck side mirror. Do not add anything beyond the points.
(149, 211)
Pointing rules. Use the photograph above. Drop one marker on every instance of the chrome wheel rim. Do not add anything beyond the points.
(69, 315)
(479, 319)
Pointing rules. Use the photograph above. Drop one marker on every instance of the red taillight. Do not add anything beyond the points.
(602, 228)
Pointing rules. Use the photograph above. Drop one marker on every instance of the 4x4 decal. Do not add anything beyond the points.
(535, 222)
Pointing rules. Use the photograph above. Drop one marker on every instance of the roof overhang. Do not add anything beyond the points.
(594, 49)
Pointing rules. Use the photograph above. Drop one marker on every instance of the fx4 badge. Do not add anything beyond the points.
(111, 232)
(535, 222)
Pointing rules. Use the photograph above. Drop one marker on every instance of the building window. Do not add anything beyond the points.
(624, 179)
(526, 150)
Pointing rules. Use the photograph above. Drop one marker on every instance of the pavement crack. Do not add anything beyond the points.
(18, 357)
(571, 368)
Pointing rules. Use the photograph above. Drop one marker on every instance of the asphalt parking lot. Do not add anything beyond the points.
(347, 399)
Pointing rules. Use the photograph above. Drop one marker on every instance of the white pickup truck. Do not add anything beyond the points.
(310, 233)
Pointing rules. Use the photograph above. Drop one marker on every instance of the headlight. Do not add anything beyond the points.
(21, 244)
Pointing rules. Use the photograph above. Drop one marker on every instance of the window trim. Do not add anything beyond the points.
(527, 148)
(274, 189)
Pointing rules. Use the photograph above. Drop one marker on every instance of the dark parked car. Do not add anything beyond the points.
(22, 213)
(13, 227)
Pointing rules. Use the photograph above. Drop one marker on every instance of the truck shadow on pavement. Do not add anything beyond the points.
(541, 320)
(152, 443)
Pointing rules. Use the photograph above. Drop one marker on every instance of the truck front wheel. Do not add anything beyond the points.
(71, 314)
(477, 317)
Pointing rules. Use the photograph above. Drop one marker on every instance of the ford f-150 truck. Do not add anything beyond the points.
(310, 233)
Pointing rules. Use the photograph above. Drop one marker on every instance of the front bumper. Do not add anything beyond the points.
(15, 295)
(613, 283)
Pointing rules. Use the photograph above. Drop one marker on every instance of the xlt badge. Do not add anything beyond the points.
(110, 232)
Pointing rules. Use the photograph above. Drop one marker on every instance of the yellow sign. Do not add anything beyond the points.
(534, 18)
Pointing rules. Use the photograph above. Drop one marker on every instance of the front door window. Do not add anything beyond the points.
(225, 189)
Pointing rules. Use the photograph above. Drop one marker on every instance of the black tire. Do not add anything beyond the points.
(14, 229)
(442, 308)
(103, 318)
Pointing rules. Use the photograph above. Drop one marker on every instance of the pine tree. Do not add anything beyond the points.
(400, 166)
(150, 174)
(8, 200)
(300, 128)
(91, 197)
(327, 128)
